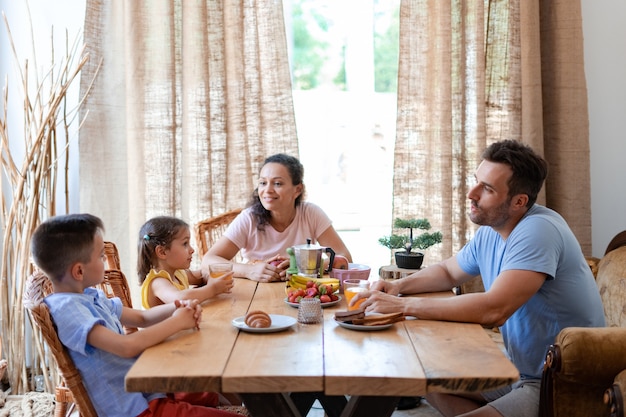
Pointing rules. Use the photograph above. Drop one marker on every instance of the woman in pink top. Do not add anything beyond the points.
(275, 219)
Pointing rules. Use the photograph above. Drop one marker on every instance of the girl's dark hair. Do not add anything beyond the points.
(61, 241)
(158, 231)
(296, 172)
(529, 168)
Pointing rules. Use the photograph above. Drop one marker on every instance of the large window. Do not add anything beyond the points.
(344, 57)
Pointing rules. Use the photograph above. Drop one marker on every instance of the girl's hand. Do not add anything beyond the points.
(223, 284)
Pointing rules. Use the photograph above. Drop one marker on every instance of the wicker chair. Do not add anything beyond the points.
(208, 231)
(73, 390)
(112, 257)
(115, 283)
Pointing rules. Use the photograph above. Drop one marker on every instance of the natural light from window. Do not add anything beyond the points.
(343, 56)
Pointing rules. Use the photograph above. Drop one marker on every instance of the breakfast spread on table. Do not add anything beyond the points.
(299, 287)
(258, 319)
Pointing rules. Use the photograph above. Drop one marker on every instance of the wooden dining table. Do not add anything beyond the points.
(351, 372)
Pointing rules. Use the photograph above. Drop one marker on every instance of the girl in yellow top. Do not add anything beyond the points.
(164, 257)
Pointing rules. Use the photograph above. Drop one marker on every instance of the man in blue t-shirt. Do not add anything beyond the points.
(536, 279)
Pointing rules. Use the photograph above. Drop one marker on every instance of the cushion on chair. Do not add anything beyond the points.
(611, 282)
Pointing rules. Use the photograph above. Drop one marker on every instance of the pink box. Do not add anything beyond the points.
(354, 271)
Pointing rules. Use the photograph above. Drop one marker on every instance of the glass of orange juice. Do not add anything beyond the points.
(353, 286)
(219, 269)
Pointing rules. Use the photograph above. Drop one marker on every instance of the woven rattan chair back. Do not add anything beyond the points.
(37, 287)
(208, 231)
(115, 283)
(112, 256)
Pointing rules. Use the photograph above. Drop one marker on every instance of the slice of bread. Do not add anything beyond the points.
(348, 316)
(379, 319)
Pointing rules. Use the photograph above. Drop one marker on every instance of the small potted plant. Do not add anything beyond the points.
(406, 258)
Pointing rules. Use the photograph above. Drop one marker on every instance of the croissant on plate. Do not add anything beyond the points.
(258, 319)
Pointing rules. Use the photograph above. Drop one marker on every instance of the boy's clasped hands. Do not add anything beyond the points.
(189, 311)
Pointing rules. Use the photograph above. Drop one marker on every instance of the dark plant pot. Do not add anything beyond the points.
(411, 260)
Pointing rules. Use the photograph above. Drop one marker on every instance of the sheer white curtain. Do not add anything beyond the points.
(191, 96)
(473, 72)
(189, 99)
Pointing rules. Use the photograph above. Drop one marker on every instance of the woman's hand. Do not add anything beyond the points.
(281, 263)
(266, 272)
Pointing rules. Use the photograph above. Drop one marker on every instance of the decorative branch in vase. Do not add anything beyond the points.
(30, 164)
(406, 258)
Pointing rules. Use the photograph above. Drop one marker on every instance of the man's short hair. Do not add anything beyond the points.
(529, 168)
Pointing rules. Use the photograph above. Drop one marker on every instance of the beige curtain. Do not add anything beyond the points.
(189, 99)
(472, 72)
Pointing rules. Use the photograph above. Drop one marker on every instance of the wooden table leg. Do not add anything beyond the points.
(366, 406)
(294, 404)
(270, 405)
(333, 404)
(282, 405)
(303, 401)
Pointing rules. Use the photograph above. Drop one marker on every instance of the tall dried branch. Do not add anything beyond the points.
(30, 198)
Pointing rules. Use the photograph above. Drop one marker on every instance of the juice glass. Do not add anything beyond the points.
(219, 269)
(353, 286)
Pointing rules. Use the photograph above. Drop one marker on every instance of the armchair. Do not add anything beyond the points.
(580, 366)
(580, 376)
(614, 397)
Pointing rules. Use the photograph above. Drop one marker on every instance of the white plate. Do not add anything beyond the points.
(324, 305)
(279, 323)
(362, 327)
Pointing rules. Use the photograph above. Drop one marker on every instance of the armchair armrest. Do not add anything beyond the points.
(614, 396)
(591, 355)
(579, 367)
